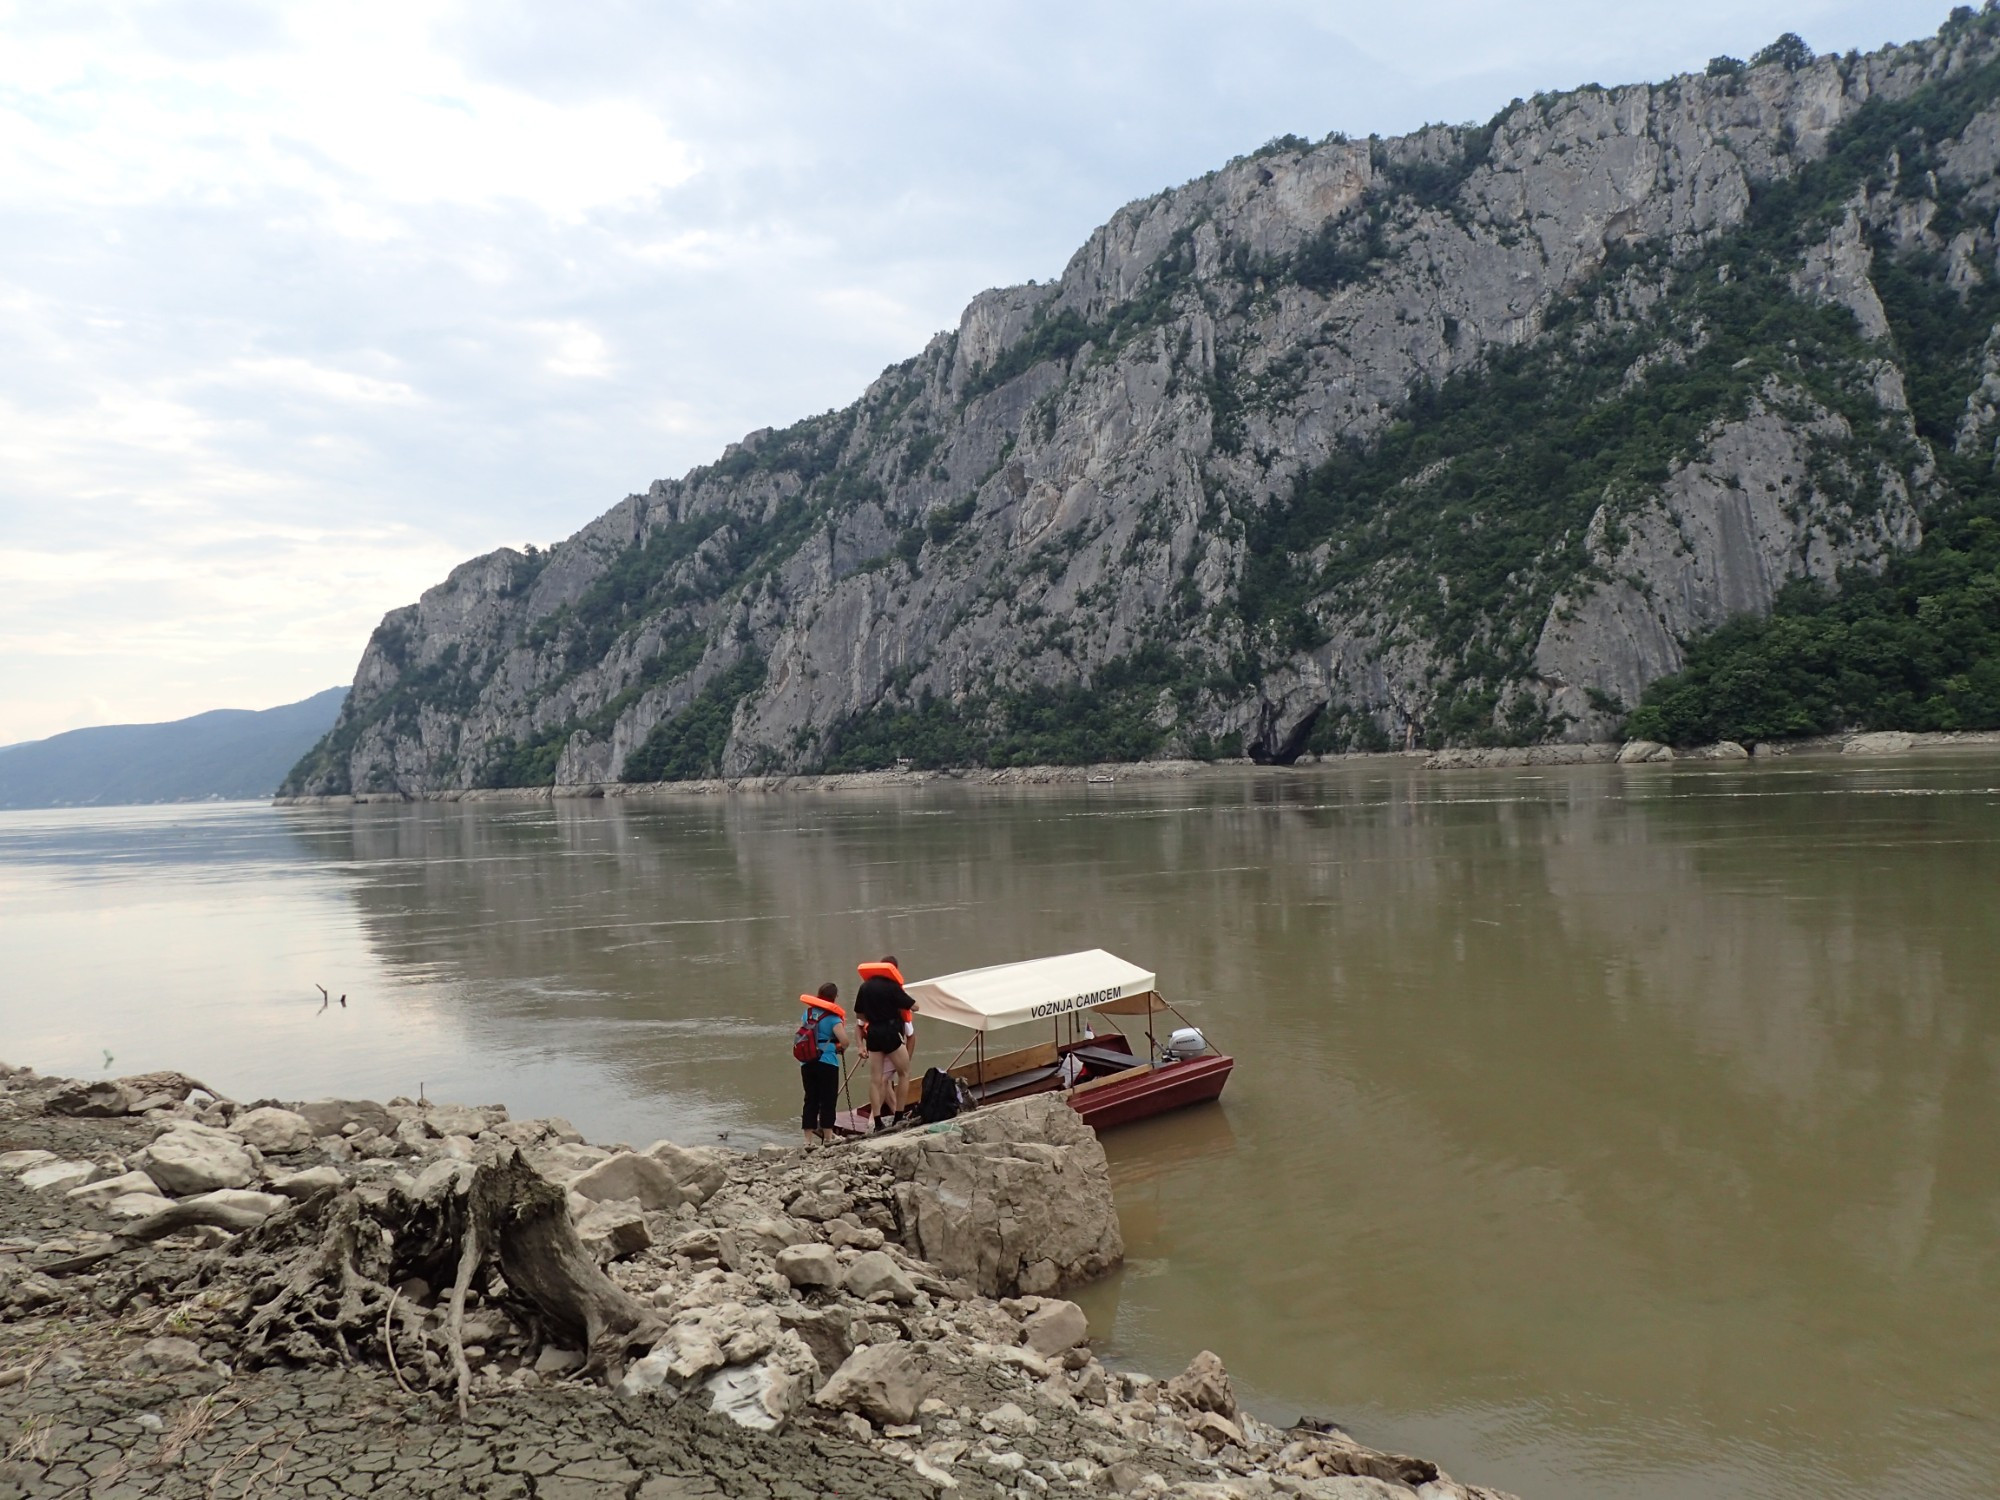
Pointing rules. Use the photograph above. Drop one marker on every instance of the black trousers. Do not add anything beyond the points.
(822, 1083)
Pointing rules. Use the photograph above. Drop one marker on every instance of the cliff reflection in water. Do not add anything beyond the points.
(1601, 1131)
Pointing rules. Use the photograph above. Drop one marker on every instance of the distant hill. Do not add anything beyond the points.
(229, 752)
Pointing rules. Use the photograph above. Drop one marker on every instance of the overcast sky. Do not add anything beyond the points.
(303, 304)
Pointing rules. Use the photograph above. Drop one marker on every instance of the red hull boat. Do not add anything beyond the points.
(1103, 1078)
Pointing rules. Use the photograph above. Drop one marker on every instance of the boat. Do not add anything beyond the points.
(1105, 1078)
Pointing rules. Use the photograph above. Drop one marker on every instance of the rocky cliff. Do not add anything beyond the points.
(1450, 438)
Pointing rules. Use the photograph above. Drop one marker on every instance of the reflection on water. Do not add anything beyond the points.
(1596, 1131)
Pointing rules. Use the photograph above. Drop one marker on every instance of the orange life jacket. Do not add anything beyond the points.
(813, 1002)
(879, 971)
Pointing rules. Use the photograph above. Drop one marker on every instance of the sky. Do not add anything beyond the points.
(301, 305)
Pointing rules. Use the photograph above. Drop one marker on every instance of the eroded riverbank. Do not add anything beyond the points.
(187, 1310)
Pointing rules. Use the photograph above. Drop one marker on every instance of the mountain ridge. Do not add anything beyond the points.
(224, 753)
(1455, 437)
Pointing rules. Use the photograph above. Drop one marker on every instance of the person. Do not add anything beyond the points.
(821, 1076)
(882, 1007)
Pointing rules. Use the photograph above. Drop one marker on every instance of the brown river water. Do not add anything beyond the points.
(1595, 1131)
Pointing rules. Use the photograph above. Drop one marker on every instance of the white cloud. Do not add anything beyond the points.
(304, 303)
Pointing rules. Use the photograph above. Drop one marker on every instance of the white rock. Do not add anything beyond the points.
(261, 1204)
(809, 1265)
(20, 1161)
(874, 1272)
(190, 1159)
(883, 1382)
(614, 1231)
(764, 1394)
(454, 1119)
(698, 1172)
(273, 1129)
(1055, 1327)
(1643, 752)
(99, 1193)
(304, 1184)
(1009, 1419)
(630, 1175)
(60, 1176)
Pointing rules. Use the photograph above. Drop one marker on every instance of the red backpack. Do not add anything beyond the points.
(805, 1043)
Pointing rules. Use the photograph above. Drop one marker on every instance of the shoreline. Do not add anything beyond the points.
(1602, 752)
(881, 1316)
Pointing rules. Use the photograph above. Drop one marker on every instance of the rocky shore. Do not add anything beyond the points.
(201, 1297)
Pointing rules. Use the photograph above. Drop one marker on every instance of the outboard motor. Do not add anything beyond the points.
(1186, 1042)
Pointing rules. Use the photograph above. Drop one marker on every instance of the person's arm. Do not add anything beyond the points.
(840, 1036)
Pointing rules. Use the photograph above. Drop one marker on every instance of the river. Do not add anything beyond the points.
(1595, 1131)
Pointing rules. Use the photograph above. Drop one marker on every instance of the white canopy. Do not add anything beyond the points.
(1041, 988)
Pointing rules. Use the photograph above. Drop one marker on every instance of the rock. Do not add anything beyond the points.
(554, 1361)
(164, 1356)
(630, 1176)
(448, 1175)
(1204, 1386)
(304, 1184)
(453, 1119)
(614, 1231)
(698, 1172)
(1217, 1429)
(188, 1159)
(764, 1394)
(276, 1131)
(138, 1205)
(817, 1207)
(103, 1100)
(1727, 750)
(874, 1273)
(809, 1265)
(100, 1193)
(827, 1331)
(1008, 1420)
(1055, 1327)
(564, 1161)
(701, 1340)
(60, 1176)
(333, 1116)
(844, 1234)
(698, 1244)
(883, 1382)
(1878, 742)
(1643, 752)
(261, 1204)
(1014, 1198)
(20, 1161)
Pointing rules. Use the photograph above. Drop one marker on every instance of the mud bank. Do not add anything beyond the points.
(878, 1317)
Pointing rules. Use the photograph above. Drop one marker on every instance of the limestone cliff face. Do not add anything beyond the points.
(1455, 436)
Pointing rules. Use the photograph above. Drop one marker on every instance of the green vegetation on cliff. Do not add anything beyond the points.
(1916, 648)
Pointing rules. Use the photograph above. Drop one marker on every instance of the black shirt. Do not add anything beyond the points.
(880, 1003)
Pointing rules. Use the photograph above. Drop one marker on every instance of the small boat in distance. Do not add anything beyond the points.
(1105, 1079)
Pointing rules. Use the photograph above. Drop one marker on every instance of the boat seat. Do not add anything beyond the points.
(1013, 1081)
(1105, 1058)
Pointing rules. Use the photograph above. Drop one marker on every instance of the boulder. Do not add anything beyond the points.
(698, 1172)
(276, 1131)
(883, 1382)
(261, 1204)
(333, 1116)
(1217, 1429)
(1055, 1328)
(764, 1394)
(54, 1176)
(1878, 742)
(1204, 1386)
(1014, 1197)
(454, 1119)
(304, 1184)
(105, 1099)
(630, 1176)
(564, 1161)
(1642, 752)
(100, 1193)
(20, 1161)
(614, 1231)
(809, 1265)
(189, 1159)
(874, 1274)
(1727, 750)
(828, 1332)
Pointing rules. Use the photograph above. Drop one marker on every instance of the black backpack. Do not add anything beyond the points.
(939, 1099)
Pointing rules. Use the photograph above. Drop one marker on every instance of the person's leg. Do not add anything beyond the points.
(899, 1075)
(823, 1086)
(808, 1117)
